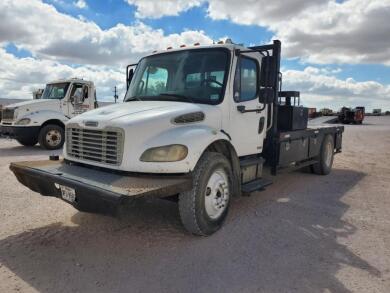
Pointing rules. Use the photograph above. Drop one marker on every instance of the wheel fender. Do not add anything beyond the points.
(195, 137)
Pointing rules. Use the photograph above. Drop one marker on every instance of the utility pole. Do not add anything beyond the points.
(115, 94)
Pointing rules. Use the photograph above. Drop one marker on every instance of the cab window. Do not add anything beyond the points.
(246, 80)
(55, 91)
(78, 93)
(154, 80)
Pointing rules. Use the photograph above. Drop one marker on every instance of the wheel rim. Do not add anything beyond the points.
(217, 194)
(328, 153)
(53, 137)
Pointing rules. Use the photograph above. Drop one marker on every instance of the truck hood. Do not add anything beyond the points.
(36, 104)
(142, 111)
(148, 124)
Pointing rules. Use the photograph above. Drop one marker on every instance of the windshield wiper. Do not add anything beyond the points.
(181, 97)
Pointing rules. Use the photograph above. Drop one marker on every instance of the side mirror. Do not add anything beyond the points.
(268, 72)
(266, 96)
(85, 92)
(129, 77)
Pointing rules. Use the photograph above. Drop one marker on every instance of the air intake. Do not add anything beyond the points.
(189, 118)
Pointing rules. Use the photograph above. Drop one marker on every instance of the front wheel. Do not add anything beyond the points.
(203, 209)
(51, 137)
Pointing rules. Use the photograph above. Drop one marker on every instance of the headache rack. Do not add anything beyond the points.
(97, 145)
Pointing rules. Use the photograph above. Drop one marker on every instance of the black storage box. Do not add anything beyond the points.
(292, 118)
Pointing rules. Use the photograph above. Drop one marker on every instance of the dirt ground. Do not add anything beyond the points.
(305, 233)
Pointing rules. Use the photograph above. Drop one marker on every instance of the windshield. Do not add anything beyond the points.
(55, 91)
(196, 76)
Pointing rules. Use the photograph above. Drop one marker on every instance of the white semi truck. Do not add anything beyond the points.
(43, 120)
(198, 125)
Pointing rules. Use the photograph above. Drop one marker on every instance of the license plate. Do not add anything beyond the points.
(67, 193)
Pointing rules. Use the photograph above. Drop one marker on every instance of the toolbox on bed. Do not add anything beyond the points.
(291, 116)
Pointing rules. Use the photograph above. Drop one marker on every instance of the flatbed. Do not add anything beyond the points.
(202, 139)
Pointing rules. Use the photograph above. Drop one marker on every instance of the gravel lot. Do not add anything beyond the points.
(305, 233)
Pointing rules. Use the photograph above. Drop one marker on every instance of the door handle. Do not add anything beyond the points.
(261, 124)
(242, 109)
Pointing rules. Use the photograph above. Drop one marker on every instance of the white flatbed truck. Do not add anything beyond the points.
(198, 124)
(43, 120)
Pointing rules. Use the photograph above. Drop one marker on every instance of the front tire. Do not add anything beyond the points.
(325, 159)
(204, 208)
(51, 137)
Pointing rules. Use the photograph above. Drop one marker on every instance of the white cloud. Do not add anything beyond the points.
(320, 89)
(157, 9)
(54, 35)
(20, 76)
(318, 31)
(80, 4)
(355, 31)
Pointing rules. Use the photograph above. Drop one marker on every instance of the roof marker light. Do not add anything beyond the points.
(169, 48)
(182, 46)
(196, 44)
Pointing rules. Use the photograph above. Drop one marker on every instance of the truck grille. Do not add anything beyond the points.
(102, 146)
(8, 114)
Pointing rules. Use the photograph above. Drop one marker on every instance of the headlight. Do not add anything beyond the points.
(167, 153)
(23, 121)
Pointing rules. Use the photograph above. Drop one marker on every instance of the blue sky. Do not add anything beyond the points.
(328, 57)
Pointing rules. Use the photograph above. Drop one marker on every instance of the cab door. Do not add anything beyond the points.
(78, 100)
(247, 129)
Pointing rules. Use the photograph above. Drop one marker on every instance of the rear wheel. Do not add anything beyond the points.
(51, 137)
(27, 141)
(325, 159)
(203, 209)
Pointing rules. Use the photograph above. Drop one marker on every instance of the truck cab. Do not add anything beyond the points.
(43, 120)
(199, 124)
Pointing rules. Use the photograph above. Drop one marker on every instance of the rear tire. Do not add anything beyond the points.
(204, 208)
(51, 137)
(325, 159)
(27, 141)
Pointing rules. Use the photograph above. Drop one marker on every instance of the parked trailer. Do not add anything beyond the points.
(348, 115)
(326, 112)
(312, 112)
(198, 124)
